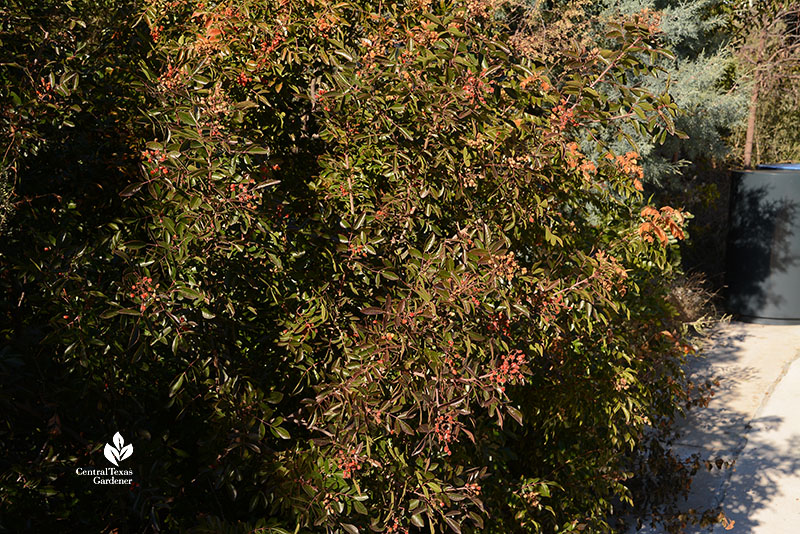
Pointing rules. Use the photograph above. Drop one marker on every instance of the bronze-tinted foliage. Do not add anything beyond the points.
(365, 279)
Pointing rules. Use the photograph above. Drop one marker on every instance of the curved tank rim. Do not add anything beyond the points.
(779, 166)
(778, 172)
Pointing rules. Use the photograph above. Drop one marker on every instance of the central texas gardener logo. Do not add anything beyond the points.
(118, 452)
(110, 475)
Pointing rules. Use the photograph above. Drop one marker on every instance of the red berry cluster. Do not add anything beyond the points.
(531, 496)
(552, 306)
(576, 160)
(562, 116)
(505, 265)
(409, 317)
(325, 105)
(46, 92)
(476, 88)
(535, 78)
(244, 196)
(279, 213)
(356, 250)
(445, 429)
(481, 8)
(425, 35)
(377, 413)
(156, 158)
(452, 361)
(144, 290)
(172, 79)
(573, 155)
(155, 32)
(323, 24)
(264, 170)
(215, 107)
(269, 47)
(395, 528)
(243, 79)
(510, 369)
(499, 323)
(473, 488)
(348, 462)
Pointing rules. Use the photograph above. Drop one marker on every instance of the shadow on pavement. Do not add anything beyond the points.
(753, 423)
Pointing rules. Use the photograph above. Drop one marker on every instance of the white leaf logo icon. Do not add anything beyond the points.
(119, 451)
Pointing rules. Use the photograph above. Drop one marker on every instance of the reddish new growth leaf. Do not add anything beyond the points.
(658, 223)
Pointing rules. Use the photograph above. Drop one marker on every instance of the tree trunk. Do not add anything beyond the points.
(756, 147)
(751, 126)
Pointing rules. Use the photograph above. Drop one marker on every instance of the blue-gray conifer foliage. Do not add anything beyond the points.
(702, 53)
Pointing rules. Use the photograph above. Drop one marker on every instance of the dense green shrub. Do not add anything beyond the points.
(363, 279)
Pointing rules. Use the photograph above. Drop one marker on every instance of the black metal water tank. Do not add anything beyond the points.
(763, 260)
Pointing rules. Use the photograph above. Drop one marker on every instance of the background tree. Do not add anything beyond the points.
(769, 55)
(775, 138)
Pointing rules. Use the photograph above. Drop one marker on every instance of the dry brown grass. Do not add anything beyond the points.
(698, 305)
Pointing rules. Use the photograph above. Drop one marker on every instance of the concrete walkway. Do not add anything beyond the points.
(754, 419)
